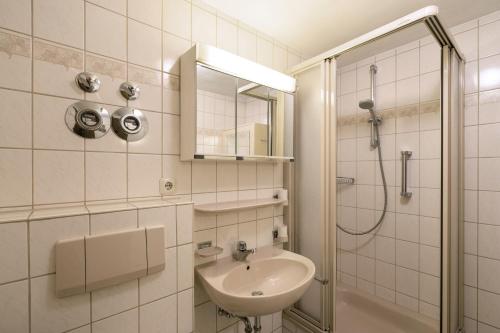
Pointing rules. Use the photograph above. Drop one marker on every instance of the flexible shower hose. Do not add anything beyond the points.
(384, 182)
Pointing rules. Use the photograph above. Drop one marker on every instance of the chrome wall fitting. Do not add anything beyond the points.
(87, 119)
(129, 124)
(130, 91)
(88, 82)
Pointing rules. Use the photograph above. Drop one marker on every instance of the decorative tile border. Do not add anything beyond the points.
(403, 111)
(145, 76)
(112, 68)
(13, 44)
(69, 58)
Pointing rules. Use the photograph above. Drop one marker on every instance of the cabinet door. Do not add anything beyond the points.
(253, 120)
(281, 113)
(215, 113)
(264, 121)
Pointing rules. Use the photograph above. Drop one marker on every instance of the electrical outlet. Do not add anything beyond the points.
(167, 186)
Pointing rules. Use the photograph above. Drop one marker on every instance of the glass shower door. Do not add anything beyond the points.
(311, 218)
(390, 141)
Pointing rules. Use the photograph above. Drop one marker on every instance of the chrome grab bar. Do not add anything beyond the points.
(345, 180)
(405, 155)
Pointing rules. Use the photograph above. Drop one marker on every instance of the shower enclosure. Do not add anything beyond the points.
(379, 139)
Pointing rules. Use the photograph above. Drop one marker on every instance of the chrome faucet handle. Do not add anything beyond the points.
(242, 252)
(242, 246)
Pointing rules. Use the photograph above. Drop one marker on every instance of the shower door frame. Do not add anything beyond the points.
(326, 274)
(452, 193)
(452, 304)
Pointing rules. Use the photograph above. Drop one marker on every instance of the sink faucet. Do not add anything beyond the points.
(241, 253)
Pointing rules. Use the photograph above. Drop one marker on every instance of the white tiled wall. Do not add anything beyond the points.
(43, 163)
(400, 261)
(479, 40)
(43, 45)
(226, 181)
(158, 302)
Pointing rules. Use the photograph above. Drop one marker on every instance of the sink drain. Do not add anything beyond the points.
(257, 293)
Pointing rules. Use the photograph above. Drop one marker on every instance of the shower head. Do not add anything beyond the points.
(366, 104)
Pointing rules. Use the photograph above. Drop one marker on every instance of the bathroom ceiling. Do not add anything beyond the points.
(314, 26)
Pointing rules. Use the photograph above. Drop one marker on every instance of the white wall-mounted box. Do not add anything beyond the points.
(115, 258)
(92, 262)
(70, 265)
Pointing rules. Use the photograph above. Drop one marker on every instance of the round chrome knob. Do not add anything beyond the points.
(88, 82)
(130, 91)
(129, 124)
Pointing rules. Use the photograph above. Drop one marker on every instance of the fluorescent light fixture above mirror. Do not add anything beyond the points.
(237, 66)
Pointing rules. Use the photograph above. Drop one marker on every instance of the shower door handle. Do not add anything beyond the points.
(405, 155)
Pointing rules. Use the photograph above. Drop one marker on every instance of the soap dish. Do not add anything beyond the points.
(210, 251)
(205, 249)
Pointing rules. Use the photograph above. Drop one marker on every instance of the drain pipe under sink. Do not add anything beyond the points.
(256, 325)
(248, 326)
(246, 321)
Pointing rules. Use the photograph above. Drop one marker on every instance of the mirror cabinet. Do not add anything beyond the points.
(233, 108)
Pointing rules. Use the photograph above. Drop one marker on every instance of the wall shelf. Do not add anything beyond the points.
(221, 207)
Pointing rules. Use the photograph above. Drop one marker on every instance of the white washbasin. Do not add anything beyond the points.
(269, 281)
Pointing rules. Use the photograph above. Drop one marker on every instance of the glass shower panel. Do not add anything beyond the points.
(399, 123)
(308, 224)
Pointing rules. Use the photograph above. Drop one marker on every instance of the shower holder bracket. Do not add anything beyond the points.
(378, 120)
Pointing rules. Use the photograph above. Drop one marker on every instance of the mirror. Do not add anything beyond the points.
(281, 111)
(265, 121)
(236, 117)
(253, 119)
(216, 112)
